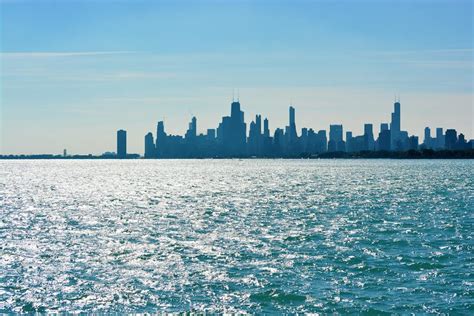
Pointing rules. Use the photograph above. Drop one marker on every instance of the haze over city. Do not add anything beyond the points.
(73, 73)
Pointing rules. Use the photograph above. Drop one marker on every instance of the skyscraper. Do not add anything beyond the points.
(258, 124)
(369, 142)
(150, 150)
(266, 129)
(335, 138)
(232, 132)
(255, 136)
(395, 126)
(192, 130)
(349, 141)
(335, 132)
(160, 139)
(427, 139)
(121, 144)
(450, 139)
(292, 126)
(439, 138)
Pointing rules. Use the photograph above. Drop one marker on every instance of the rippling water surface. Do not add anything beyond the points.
(258, 236)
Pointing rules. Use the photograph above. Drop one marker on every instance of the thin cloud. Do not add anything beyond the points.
(86, 76)
(60, 54)
(448, 51)
(149, 100)
(460, 58)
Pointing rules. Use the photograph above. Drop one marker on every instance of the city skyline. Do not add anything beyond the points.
(72, 71)
(431, 138)
(234, 137)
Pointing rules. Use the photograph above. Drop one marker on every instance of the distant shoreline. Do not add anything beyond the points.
(411, 154)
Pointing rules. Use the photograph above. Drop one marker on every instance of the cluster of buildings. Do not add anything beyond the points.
(231, 139)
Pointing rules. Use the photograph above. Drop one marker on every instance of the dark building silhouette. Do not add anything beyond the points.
(232, 132)
(191, 133)
(255, 139)
(462, 144)
(451, 138)
(266, 129)
(439, 138)
(428, 141)
(150, 149)
(395, 125)
(121, 144)
(336, 142)
(369, 142)
(160, 140)
(292, 125)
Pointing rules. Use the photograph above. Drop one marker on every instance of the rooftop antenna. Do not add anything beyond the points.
(238, 95)
(233, 94)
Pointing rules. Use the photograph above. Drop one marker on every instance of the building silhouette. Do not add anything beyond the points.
(369, 142)
(336, 142)
(121, 144)
(395, 126)
(439, 138)
(451, 138)
(232, 132)
(150, 149)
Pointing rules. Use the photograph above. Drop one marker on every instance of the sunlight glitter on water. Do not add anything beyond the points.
(226, 235)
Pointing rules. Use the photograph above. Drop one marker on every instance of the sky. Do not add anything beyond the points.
(74, 72)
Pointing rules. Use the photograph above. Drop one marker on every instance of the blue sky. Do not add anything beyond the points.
(73, 72)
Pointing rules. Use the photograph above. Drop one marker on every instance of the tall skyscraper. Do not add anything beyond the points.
(160, 139)
(335, 133)
(450, 139)
(335, 138)
(121, 144)
(427, 139)
(192, 130)
(232, 132)
(292, 125)
(395, 126)
(150, 150)
(369, 142)
(349, 141)
(266, 129)
(439, 138)
(255, 143)
(258, 124)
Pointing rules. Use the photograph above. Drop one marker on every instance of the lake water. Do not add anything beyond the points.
(261, 236)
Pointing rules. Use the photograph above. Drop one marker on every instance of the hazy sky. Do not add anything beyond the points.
(74, 72)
